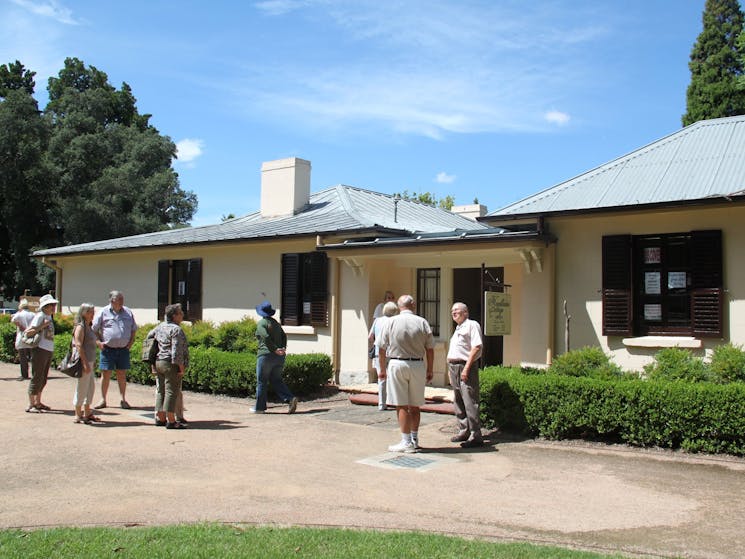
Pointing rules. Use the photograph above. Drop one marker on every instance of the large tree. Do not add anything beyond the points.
(26, 181)
(114, 168)
(89, 167)
(716, 65)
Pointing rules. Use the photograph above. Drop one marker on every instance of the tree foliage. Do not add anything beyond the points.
(89, 167)
(25, 177)
(428, 198)
(716, 65)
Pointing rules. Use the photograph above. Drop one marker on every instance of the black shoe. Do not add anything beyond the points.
(472, 443)
(175, 425)
(159, 423)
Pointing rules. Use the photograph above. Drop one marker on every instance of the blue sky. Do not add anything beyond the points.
(490, 99)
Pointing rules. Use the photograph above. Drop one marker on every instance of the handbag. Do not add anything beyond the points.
(31, 337)
(71, 363)
(149, 350)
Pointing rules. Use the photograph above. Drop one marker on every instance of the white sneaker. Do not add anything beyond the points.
(402, 447)
(254, 410)
(415, 442)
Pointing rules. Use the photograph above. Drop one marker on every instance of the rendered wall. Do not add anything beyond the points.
(579, 273)
(235, 278)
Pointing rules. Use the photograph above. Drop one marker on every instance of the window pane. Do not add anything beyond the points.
(428, 297)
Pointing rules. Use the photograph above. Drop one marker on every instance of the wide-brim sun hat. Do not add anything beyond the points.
(265, 309)
(47, 300)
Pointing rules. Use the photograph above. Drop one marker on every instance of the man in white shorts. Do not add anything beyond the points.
(405, 341)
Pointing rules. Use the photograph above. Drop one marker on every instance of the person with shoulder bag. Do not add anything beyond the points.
(41, 355)
(84, 340)
(22, 319)
(171, 362)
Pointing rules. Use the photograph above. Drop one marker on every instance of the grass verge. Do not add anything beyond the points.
(228, 541)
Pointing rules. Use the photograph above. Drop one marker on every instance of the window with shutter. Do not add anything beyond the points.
(164, 279)
(707, 286)
(663, 284)
(617, 293)
(319, 315)
(305, 289)
(180, 281)
(291, 310)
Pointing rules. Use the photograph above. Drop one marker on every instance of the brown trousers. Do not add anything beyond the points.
(41, 359)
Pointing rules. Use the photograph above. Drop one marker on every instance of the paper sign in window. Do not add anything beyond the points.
(652, 283)
(652, 255)
(676, 280)
(653, 312)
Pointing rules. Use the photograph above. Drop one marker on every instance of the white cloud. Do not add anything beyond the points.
(426, 69)
(189, 149)
(280, 7)
(557, 117)
(51, 9)
(443, 178)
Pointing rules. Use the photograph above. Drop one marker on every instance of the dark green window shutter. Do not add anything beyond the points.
(291, 294)
(319, 315)
(164, 268)
(617, 293)
(707, 289)
(194, 290)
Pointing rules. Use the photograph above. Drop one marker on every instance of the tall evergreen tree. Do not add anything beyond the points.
(114, 168)
(88, 167)
(26, 181)
(716, 65)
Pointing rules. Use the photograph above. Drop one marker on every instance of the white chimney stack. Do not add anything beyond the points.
(285, 186)
(471, 211)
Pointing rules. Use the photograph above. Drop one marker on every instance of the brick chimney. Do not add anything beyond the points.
(285, 186)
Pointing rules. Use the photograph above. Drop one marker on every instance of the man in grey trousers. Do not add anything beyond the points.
(463, 368)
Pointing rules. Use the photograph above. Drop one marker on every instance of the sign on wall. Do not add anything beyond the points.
(497, 315)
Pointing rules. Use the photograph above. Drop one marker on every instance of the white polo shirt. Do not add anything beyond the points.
(466, 336)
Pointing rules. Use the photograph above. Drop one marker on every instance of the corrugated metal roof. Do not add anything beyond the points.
(335, 210)
(702, 161)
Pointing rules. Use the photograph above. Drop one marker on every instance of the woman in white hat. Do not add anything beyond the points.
(41, 355)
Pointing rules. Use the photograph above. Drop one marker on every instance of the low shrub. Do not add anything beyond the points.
(200, 333)
(585, 362)
(234, 374)
(728, 363)
(676, 364)
(63, 323)
(237, 336)
(7, 340)
(698, 417)
(62, 344)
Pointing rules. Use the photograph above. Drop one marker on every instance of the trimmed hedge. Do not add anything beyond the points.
(223, 372)
(698, 417)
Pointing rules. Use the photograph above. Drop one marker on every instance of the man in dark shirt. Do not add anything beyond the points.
(270, 360)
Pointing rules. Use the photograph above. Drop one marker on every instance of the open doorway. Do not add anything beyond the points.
(467, 289)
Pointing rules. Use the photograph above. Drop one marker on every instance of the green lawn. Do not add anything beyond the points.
(215, 541)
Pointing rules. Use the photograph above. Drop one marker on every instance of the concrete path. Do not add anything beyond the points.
(327, 465)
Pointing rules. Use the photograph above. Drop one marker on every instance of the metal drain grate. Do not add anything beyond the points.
(418, 463)
(408, 462)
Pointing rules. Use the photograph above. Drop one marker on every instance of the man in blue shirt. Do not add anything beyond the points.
(115, 327)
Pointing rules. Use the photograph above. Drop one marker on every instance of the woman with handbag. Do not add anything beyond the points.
(84, 340)
(170, 364)
(40, 335)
